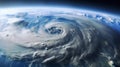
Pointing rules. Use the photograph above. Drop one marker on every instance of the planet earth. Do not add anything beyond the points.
(58, 37)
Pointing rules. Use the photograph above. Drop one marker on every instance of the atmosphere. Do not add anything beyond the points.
(111, 6)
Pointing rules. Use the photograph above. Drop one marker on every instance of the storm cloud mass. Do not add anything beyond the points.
(66, 37)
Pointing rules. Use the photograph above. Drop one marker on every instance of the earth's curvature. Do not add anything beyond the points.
(58, 37)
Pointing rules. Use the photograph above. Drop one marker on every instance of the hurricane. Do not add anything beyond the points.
(58, 37)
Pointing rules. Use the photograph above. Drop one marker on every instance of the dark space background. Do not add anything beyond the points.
(111, 6)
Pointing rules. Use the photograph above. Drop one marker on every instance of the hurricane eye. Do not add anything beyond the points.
(54, 30)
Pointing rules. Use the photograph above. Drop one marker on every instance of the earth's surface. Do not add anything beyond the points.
(58, 37)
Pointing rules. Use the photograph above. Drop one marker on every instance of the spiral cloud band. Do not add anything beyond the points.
(65, 37)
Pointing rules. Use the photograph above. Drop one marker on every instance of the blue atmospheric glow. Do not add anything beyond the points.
(82, 7)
